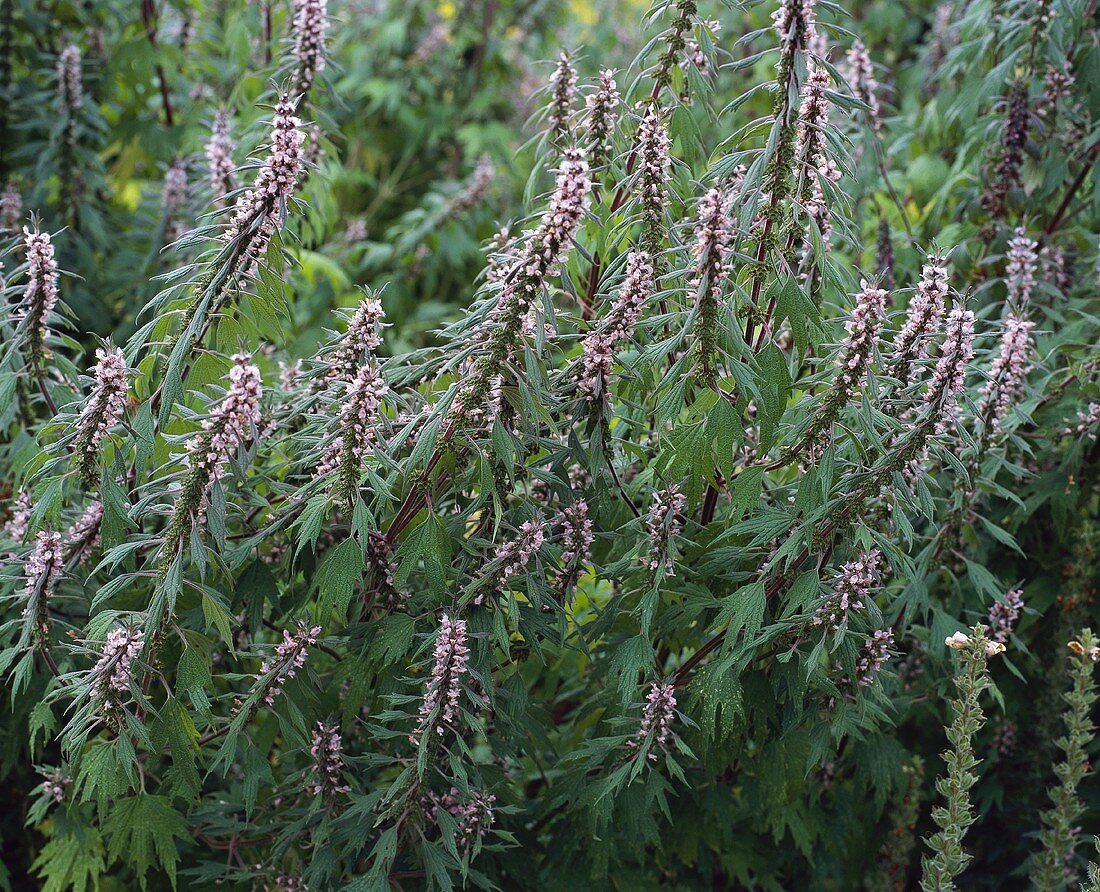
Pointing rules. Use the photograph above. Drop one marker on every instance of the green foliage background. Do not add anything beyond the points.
(775, 780)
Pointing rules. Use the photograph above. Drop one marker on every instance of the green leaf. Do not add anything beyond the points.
(143, 830)
(743, 610)
(72, 862)
(337, 578)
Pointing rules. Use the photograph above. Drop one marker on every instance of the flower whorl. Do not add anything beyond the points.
(15, 528)
(874, 655)
(439, 708)
(714, 232)
(43, 566)
(328, 762)
(219, 158)
(955, 354)
(663, 524)
(113, 673)
(40, 294)
(1004, 614)
(83, 535)
(563, 90)
(923, 317)
(70, 85)
(1023, 262)
(260, 209)
(1010, 369)
(104, 408)
(602, 115)
(309, 28)
(535, 261)
(657, 718)
(356, 424)
(795, 23)
(289, 656)
(853, 585)
(654, 161)
(362, 338)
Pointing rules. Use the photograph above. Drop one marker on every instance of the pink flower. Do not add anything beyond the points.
(309, 28)
(104, 408)
(113, 673)
(440, 707)
(173, 200)
(602, 115)
(1004, 614)
(15, 528)
(1008, 376)
(1023, 262)
(289, 656)
(11, 208)
(563, 90)
(923, 317)
(260, 210)
(328, 762)
(853, 585)
(657, 719)
(875, 655)
(83, 535)
(40, 294)
(860, 75)
(663, 524)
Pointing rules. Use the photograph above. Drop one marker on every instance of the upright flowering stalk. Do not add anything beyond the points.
(219, 159)
(949, 858)
(923, 318)
(1004, 614)
(714, 232)
(112, 677)
(173, 199)
(1023, 262)
(261, 209)
(1013, 139)
(309, 28)
(40, 294)
(356, 430)
(815, 164)
(563, 92)
(41, 571)
(655, 731)
(663, 524)
(955, 355)
(70, 84)
(11, 209)
(853, 363)
(362, 338)
(328, 762)
(1008, 376)
(796, 26)
(1060, 829)
(70, 99)
(853, 585)
(600, 345)
(601, 117)
(104, 408)
(687, 14)
(289, 656)
(83, 535)
(231, 424)
(860, 75)
(439, 709)
(536, 260)
(652, 182)
(576, 543)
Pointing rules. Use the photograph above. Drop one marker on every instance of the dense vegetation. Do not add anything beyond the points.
(507, 444)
